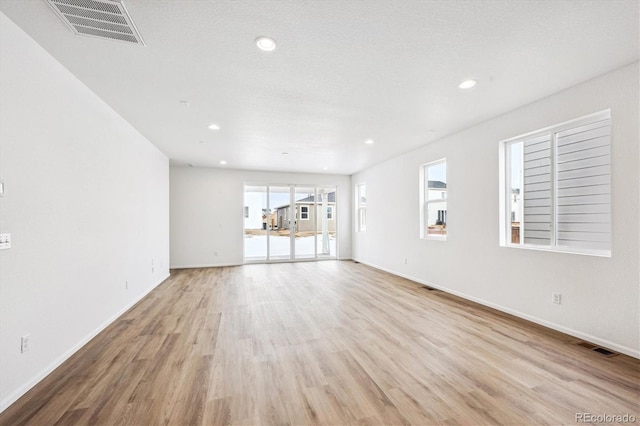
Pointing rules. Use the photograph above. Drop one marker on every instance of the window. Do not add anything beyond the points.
(304, 212)
(361, 203)
(433, 195)
(330, 212)
(555, 187)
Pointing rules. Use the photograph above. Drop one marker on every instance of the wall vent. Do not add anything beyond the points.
(106, 19)
(605, 352)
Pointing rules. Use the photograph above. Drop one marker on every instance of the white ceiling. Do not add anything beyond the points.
(343, 71)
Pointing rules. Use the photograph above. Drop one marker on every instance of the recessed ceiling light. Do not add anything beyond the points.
(369, 141)
(214, 126)
(467, 84)
(285, 153)
(266, 43)
(223, 162)
(325, 168)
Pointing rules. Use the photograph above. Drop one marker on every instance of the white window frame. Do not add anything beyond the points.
(505, 187)
(361, 209)
(424, 201)
(329, 212)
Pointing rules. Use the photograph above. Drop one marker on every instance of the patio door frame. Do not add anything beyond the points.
(294, 216)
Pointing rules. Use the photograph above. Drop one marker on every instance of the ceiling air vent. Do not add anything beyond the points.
(104, 19)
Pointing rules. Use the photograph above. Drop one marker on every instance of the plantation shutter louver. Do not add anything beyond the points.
(583, 194)
(537, 190)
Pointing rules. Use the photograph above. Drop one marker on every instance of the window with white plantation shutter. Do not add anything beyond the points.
(557, 192)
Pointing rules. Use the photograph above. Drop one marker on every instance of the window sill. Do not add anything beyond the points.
(435, 237)
(584, 252)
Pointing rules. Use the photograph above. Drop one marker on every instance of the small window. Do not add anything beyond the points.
(330, 212)
(304, 212)
(361, 210)
(555, 186)
(433, 182)
(246, 212)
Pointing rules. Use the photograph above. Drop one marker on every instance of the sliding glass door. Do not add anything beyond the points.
(289, 222)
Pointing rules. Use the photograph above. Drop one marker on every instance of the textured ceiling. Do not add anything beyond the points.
(343, 71)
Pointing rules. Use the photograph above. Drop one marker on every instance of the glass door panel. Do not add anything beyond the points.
(255, 222)
(281, 221)
(305, 223)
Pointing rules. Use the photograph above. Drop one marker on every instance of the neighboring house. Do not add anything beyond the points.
(437, 191)
(269, 218)
(306, 212)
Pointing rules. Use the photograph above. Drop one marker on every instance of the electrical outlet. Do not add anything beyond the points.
(152, 268)
(405, 260)
(5, 241)
(25, 343)
(126, 285)
(556, 298)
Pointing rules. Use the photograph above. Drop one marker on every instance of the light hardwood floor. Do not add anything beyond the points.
(324, 343)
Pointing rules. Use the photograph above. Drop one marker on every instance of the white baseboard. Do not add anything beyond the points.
(205, 265)
(220, 265)
(566, 330)
(15, 395)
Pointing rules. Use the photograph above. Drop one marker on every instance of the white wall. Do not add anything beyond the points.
(600, 296)
(207, 212)
(87, 206)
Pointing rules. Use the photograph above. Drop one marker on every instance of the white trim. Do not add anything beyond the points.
(566, 125)
(424, 200)
(361, 226)
(206, 265)
(303, 218)
(504, 195)
(560, 249)
(15, 395)
(635, 353)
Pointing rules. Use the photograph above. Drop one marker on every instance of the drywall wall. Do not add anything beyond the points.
(87, 204)
(600, 295)
(207, 212)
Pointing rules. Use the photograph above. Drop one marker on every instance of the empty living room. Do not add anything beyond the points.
(319, 212)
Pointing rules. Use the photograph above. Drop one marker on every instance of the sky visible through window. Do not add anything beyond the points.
(516, 165)
(438, 172)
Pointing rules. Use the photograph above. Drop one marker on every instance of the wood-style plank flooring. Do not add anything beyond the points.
(324, 343)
